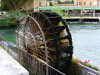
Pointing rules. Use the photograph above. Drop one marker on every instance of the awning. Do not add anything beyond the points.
(68, 8)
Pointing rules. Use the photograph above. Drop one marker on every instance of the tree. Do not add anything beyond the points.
(50, 3)
(13, 4)
(4, 7)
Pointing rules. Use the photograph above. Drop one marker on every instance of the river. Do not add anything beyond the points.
(86, 41)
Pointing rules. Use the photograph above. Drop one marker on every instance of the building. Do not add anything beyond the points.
(87, 2)
(30, 4)
(65, 3)
(61, 2)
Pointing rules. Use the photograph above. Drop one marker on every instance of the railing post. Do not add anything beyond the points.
(94, 13)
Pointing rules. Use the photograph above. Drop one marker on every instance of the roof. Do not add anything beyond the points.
(68, 8)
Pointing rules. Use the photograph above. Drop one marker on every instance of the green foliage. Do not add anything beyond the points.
(72, 1)
(75, 70)
(59, 1)
(13, 4)
(11, 18)
(50, 4)
(4, 7)
(27, 12)
(95, 67)
(6, 22)
(74, 60)
(14, 14)
(99, 70)
(88, 65)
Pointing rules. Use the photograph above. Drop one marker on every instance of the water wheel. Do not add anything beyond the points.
(46, 36)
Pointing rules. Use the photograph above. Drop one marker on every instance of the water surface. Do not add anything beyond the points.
(86, 42)
(8, 34)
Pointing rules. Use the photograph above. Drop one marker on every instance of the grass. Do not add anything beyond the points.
(74, 60)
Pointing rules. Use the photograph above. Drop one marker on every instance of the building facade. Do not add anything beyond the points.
(87, 2)
(30, 4)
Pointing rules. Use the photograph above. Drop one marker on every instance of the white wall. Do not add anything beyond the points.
(9, 66)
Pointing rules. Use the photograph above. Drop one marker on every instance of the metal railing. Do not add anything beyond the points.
(34, 65)
(87, 71)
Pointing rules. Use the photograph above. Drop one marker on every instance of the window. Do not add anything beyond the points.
(90, 3)
(84, 3)
(39, 3)
(80, 3)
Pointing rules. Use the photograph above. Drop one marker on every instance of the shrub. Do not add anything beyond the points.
(11, 18)
(95, 67)
(88, 65)
(6, 22)
(74, 60)
(99, 70)
(50, 4)
(14, 14)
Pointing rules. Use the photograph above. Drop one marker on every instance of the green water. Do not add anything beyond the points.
(9, 34)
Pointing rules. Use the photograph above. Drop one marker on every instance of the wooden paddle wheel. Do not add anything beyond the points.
(46, 36)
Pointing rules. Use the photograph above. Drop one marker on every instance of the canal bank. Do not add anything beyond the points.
(9, 66)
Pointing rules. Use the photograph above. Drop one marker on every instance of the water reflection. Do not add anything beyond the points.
(86, 41)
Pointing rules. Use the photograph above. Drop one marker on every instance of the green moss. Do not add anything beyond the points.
(5, 49)
(95, 67)
(75, 70)
(99, 70)
(87, 64)
(74, 60)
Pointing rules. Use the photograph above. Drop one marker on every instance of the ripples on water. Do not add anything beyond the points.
(86, 42)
